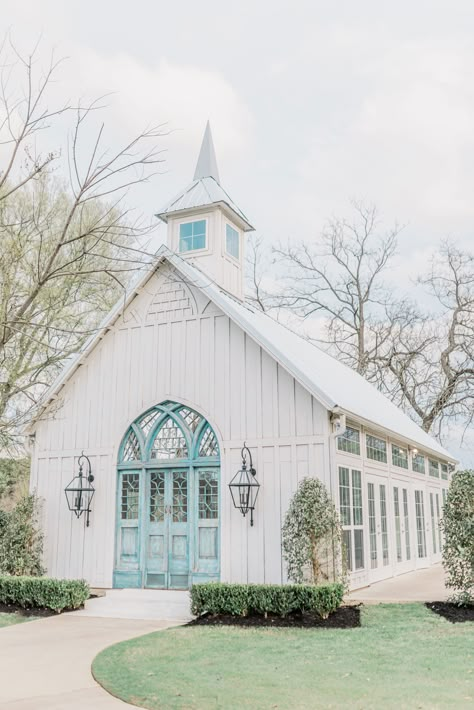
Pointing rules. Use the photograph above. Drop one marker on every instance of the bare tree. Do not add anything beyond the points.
(432, 362)
(69, 246)
(340, 279)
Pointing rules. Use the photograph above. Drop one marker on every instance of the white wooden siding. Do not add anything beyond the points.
(187, 351)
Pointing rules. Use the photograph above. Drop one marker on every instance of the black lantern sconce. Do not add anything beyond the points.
(80, 491)
(244, 486)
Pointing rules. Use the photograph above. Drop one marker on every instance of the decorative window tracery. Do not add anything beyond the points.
(170, 442)
(146, 422)
(209, 445)
(192, 418)
(131, 449)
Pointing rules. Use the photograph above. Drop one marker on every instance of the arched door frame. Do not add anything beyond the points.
(132, 538)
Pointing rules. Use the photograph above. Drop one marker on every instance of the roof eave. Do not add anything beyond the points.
(241, 221)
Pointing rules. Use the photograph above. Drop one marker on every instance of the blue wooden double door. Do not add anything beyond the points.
(168, 508)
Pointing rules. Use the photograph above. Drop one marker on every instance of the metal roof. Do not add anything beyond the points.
(332, 383)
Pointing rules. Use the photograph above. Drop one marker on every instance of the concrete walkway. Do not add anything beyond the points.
(424, 585)
(149, 604)
(45, 664)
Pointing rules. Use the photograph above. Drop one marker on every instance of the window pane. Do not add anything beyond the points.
(344, 496)
(358, 549)
(444, 471)
(398, 531)
(372, 525)
(418, 463)
(349, 441)
(399, 456)
(407, 523)
(232, 241)
(169, 442)
(376, 448)
(347, 541)
(420, 523)
(192, 235)
(180, 497)
(157, 496)
(433, 523)
(433, 468)
(131, 448)
(383, 523)
(357, 498)
(208, 495)
(130, 496)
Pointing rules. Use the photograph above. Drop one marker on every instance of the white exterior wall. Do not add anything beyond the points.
(172, 343)
(390, 475)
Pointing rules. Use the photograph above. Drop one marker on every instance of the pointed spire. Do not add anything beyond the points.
(207, 164)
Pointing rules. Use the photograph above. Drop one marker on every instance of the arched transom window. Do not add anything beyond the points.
(168, 432)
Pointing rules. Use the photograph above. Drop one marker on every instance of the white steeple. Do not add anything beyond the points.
(206, 165)
(206, 226)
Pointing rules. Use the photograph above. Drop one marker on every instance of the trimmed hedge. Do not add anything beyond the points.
(43, 592)
(264, 599)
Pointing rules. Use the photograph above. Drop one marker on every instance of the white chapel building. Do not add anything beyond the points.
(162, 399)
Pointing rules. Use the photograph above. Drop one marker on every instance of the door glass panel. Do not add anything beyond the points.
(157, 496)
(130, 496)
(344, 496)
(407, 524)
(372, 525)
(398, 532)
(420, 523)
(208, 495)
(347, 540)
(437, 520)
(359, 549)
(356, 498)
(180, 497)
(383, 523)
(433, 523)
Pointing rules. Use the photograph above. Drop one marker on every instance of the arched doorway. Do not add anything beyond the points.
(168, 500)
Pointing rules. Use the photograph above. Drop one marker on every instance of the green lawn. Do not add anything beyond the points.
(9, 619)
(403, 656)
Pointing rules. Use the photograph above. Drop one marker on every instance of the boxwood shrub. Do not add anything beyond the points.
(264, 599)
(43, 592)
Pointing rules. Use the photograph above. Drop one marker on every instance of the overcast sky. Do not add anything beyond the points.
(311, 103)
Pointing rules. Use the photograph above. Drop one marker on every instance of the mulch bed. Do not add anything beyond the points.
(13, 609)
(346, 617)
(452, 612)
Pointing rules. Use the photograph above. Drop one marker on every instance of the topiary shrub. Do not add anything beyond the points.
(457, 525)
(21, 541)
(312, 536)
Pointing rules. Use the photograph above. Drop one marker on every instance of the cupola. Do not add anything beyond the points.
(206, 226)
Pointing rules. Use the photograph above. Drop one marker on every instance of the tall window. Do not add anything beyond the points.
(349, 441)
(350, 499)
(418, 463)
(433, 468)
(433, 523)
(398, 527)
(192, 235)
(399, 456)
(407, 523)
(384, 524)
(232, 241)
(372, 525)
(420, 523)
(376, 448)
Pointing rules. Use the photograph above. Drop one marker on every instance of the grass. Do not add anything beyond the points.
(10, 619)
(403, 656)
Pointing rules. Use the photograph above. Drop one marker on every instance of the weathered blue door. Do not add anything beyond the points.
(168, 507)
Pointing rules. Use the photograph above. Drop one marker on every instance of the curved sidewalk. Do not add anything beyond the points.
(45, 664)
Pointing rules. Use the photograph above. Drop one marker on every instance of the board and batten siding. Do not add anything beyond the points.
(173, 343)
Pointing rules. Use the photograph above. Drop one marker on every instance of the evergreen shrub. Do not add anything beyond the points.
(264, 599)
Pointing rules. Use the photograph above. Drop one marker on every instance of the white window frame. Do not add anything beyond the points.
(191, 221)
(342, 438)
(372, 458)
(420, 473)
(351, 527)
(396, 457)
(227, 252)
